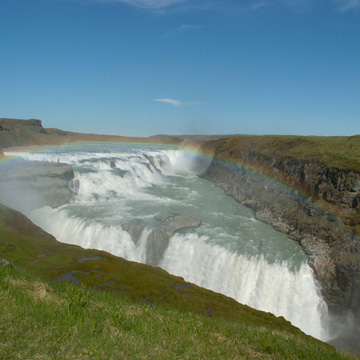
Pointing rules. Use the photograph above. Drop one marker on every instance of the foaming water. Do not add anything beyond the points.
(231, 252)
(251, 280)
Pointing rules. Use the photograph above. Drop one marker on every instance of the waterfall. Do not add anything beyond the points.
(231, 252)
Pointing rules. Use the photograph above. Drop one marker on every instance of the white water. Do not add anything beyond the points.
(231, 252)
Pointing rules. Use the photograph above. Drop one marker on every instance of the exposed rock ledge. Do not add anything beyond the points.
(159, 237)
(332, 245)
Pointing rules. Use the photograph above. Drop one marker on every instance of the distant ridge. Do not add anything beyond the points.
(18, 132)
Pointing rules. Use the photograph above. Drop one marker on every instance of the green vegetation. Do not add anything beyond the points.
(29, 247)
(337, 152)
(44, 320)
(107, 315)
(116, 309)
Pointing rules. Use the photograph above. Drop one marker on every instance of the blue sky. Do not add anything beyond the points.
(144, 67)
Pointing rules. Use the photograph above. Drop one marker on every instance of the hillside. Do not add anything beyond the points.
(15, 132)
(118, 317)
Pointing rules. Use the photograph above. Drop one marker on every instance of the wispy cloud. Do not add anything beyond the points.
(297, 6)
(178, 103)
(170, 101)
(152, 4)
(231, 7)
(189, 27)
(182, 29)
(348, 5)
(258, 5)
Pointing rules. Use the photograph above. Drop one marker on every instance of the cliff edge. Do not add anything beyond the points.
(308, 188)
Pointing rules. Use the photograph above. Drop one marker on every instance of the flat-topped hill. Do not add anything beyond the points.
(15, 132)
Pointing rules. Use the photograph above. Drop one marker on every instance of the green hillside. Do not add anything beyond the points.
(117, 309)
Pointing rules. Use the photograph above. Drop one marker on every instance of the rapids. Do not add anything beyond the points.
(231, 252)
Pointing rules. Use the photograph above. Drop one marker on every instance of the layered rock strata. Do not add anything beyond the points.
(314, 204)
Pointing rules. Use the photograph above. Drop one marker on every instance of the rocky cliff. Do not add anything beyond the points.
(308, 188)
(14, 132)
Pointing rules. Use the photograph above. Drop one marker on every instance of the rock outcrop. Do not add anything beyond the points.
(14, 132)
(315, 202)
(135, 228)
(159, 237)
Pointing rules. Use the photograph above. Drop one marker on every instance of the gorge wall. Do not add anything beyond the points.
(308, 188)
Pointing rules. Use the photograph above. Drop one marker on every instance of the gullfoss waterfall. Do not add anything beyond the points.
(146, 203)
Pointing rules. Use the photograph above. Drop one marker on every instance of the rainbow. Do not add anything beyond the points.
(208, 155)
(256, 175)
(201, 153)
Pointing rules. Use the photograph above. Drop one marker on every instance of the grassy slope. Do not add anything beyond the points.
(44, 319)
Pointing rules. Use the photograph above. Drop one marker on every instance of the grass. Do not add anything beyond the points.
(43, 320)
(142, 313)
(338, 152)
(30, 248)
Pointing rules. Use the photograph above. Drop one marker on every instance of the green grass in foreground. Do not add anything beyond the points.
(44, 319)
(41, 320)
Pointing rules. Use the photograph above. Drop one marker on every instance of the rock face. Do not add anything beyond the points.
(14, 132)
(281, 190)
(26, 185)
(159, 237)
(134, 228)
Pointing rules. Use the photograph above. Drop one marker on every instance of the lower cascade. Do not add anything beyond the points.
(146, 203)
